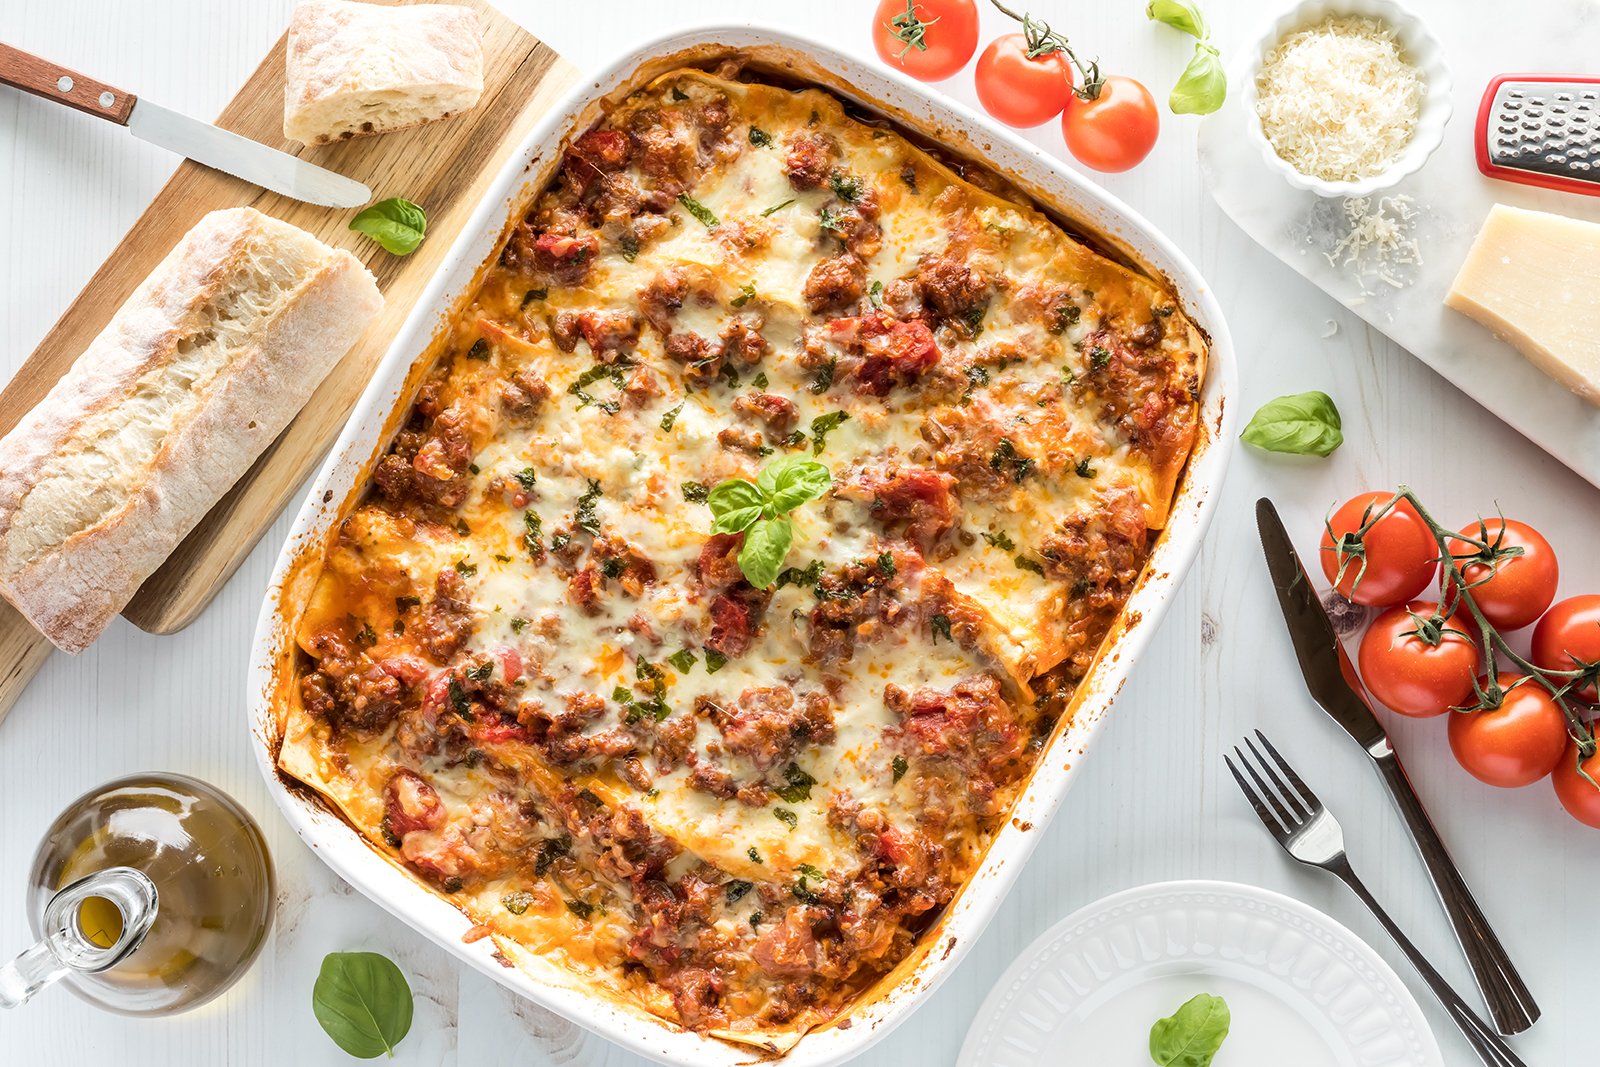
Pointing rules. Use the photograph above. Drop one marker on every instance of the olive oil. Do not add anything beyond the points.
(214, 880)
(100, 920)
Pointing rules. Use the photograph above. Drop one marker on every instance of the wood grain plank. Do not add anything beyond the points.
(444, 166)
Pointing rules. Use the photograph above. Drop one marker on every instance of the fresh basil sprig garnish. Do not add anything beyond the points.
(1301, 424)
(396, 224)
(1203, 86)
(760, 511)
(363, 1002)
(1191, 1036)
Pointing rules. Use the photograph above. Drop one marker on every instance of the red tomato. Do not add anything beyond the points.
(1116, 129)
(1396, 558)
(1580, 798)
(1517, 591)
(1410, 676)
(1020, 91)
(928, 39)
(1568, 638)
(1513, 745)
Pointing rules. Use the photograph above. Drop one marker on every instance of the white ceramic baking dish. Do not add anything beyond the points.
(925, 115)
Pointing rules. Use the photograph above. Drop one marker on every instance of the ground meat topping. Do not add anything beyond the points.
(449, 619)
(777, 412)
(918, 502)
(769, 726)
(953, 292)
(348, 689)
(810, 160)
(835, 284)
(884, 352)
(854, 601)
(428, 464)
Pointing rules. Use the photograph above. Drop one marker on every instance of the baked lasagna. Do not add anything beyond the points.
(532, 674)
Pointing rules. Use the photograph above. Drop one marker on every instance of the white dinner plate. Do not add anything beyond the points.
(1298, 984)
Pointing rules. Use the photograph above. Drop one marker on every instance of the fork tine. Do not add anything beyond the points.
(1289, 795)
(1289, 821)
(1304, 790)
(1272, 824)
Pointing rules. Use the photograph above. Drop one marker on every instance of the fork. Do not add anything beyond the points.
(1308, 831)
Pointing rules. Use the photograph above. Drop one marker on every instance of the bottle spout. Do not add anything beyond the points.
(67, 946)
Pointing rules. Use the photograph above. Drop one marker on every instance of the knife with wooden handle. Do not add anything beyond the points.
(200, 141)
(1332, 680)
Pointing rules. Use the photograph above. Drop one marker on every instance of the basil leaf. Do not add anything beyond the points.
(363, 1002)
(1300, 424)
(734, 504)
(1203, 86)
(766, 542)
(823, 425)
(697, 209)
(396, 224)
(1191, 1036)
(1180, 15)
(791, 481)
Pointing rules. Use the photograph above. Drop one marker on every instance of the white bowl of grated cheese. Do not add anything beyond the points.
(1347, 97)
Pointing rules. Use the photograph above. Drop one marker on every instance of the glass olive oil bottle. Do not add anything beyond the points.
(213, 877)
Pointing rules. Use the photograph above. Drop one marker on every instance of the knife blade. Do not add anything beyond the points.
(1328, 672)
(1334, 684)
(200, 141)
(243, 158)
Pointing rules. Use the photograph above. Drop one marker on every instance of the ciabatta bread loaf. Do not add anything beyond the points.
(356, 69)
(192, 379)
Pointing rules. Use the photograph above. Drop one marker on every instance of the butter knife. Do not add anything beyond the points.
(199, 141)
(1334, 685)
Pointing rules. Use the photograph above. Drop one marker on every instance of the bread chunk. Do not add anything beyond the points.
(358, 69)
(194, 376)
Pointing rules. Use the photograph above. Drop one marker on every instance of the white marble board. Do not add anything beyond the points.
(1481, 39)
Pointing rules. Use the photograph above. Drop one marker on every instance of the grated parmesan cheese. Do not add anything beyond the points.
(1337, 100)
(1377, 240)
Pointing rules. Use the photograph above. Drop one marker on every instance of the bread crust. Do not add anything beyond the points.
(195, 375)
(355, 69)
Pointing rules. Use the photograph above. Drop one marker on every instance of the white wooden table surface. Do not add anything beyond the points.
(1154, 803)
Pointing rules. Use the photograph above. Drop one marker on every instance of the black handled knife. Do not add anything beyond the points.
(1334, 684)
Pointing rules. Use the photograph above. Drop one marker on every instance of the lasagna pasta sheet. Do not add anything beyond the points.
(532, 677)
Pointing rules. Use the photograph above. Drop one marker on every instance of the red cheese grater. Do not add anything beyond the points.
(1541, 129)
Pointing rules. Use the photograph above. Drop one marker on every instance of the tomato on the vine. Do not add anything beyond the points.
(1418, 663)
(1114, 130)
(1515, 744)
(1018, 89)
(1568, 638)
(1517, 589)
(928, 39)
(1579, 796)
(1390, 564)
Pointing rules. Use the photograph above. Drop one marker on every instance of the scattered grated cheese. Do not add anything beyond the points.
(1337, 100)
(1378, 240)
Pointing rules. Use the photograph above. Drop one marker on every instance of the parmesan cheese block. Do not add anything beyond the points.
(1532, 278)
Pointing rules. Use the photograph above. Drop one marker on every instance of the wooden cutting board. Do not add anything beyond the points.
(444, 166)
